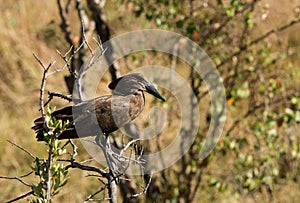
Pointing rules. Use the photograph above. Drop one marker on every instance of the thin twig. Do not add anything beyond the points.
(65, 25)
(84, 20)
(87, 160)
(99, 43)
(68, 6)
(42, 89)
(25, 150)
(75, 164)
(66, 144)
(94, 58)
(141, 193)
(67, 61)
(19, 178)
(53, 94)
(128, 145)
(90, 197)
(21, 197)
(84, 37)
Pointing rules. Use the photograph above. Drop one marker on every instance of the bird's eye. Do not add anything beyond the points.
(143, 87)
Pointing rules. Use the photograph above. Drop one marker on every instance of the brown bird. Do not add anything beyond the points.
(112, 111)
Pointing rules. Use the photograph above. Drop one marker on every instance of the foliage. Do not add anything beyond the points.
(259, 143)
(260, 146)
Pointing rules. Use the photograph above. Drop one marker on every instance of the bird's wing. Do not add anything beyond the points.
(105, 113)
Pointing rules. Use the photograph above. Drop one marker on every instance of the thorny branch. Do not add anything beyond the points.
(42, 89)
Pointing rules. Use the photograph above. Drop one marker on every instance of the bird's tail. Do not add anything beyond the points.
(39, 129)
(65, 115)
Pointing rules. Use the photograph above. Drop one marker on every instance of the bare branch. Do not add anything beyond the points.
(53, 94)
(104, 31)
(19, 178)
(68, 6)
(68, 60)
(83, 40)
(75, 164)
(21, 197)
(42, 89)
(25, 150)
(87, 160)
(65, 25)
(141, 193)
(90, 197)
(84, 37)
(99, 43)
(94, 58)
(39, 60)
(128, 145)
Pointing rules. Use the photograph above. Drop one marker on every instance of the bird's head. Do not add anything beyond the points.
(132, 83)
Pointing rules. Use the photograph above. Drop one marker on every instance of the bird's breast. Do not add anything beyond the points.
(137, 104)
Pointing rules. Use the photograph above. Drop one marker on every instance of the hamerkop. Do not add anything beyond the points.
(112, 111)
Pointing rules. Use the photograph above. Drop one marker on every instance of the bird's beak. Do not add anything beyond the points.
(152, 90)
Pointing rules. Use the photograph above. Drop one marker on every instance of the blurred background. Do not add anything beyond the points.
(255, 46)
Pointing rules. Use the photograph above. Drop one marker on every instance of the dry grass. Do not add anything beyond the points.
(28, 26)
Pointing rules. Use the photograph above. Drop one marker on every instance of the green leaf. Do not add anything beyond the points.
(244, 91)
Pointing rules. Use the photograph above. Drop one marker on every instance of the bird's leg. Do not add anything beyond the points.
(103, 142)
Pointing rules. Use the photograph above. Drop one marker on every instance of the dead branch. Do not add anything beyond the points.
(90, 197)
(141, 193)
(65, 25)
(21, 197)
(51, 95)
(19, 178)
(99, 43)
(42, 89)
(84, 30)
(103, 30)
(83, 18)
